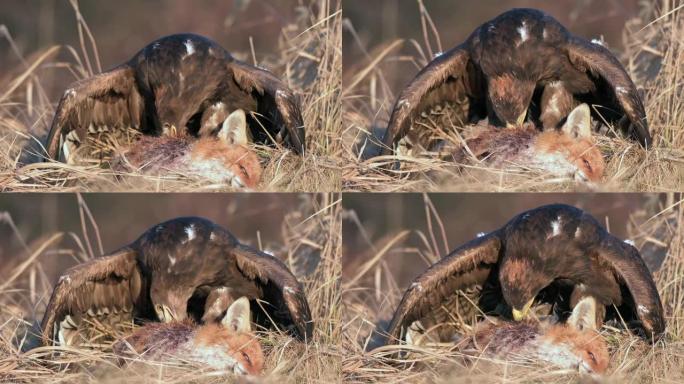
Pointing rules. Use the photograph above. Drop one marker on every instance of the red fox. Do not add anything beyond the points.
(570, 151)
(229, 345)
(222, 159)
(573, 345)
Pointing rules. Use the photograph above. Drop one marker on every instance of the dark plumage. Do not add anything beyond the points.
(184, 83)
(555, 253)
(522, 58)
(185, 267)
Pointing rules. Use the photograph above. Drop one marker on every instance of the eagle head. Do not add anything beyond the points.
(509, 98)
(170, 302)
(520, 284)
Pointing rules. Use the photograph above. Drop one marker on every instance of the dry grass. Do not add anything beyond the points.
(309, 60)
(312, 239)
(370, 294)
(654, 56)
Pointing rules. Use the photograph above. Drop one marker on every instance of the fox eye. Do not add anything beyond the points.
(592, 357)
(586, 164)
(247, 359)
(243, 169)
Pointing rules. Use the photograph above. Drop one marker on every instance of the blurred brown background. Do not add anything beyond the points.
(122, 27)
(380, 22)
(383, 216)
(122, 218)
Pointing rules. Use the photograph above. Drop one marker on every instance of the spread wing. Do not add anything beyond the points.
(611, 80)
(449, 77)
(275, 101)
(113, 282)
(631, 273)
(280, 288)
(110, 99)
(466, 266)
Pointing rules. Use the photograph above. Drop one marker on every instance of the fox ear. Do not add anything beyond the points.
(237, 317)
(578, 123)
(234, 129)
(584, 314)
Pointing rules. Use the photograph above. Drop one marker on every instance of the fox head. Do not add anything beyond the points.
(577, 343)
(571, 151)
(226, 157)
(230, 344)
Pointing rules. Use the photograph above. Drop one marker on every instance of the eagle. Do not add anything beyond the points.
(555, 254)
(181, 83)
(187, 267)
(521, 59)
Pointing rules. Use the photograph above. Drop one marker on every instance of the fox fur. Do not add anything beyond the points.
(229, 345)
(566, 152)
(224, 158)
(575, 344)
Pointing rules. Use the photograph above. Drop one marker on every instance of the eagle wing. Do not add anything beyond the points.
(468, 265)
(275, 101)
(113, 282)
(446, 78)
(110, 99)
(280, 288)
(600, 63)
(631, 272)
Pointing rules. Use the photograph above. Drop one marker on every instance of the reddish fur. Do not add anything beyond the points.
(243, 346)
(587, 343)
(156, 340)
(581, 152)
(502, 146)
(157, 154)
(232, 156)
(511, 338)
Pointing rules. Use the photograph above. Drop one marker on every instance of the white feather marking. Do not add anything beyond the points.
(622, 90)
(438, 54)
(524, 33)
(190, 231)
(172, 260)
(70, 92)
(642, 309)
(212, 236)
(597, 42)
(288, 289)
(578, 232)
(65, 279)
(481, 234)
(545, 34)
(630, 242)
(555, 227)
(403, 103)
(189, 47)
(417, 286)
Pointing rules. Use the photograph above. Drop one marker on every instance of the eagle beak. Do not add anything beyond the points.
(519, 315)
(521, 119)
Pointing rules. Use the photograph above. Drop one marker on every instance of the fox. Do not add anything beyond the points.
(575, 344)
(228, 345)
(221, 158)
(566, 152)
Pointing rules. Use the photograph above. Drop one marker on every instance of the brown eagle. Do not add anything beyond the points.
(522, 58)
(180, 83)
(185, 267)
(556, 254)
